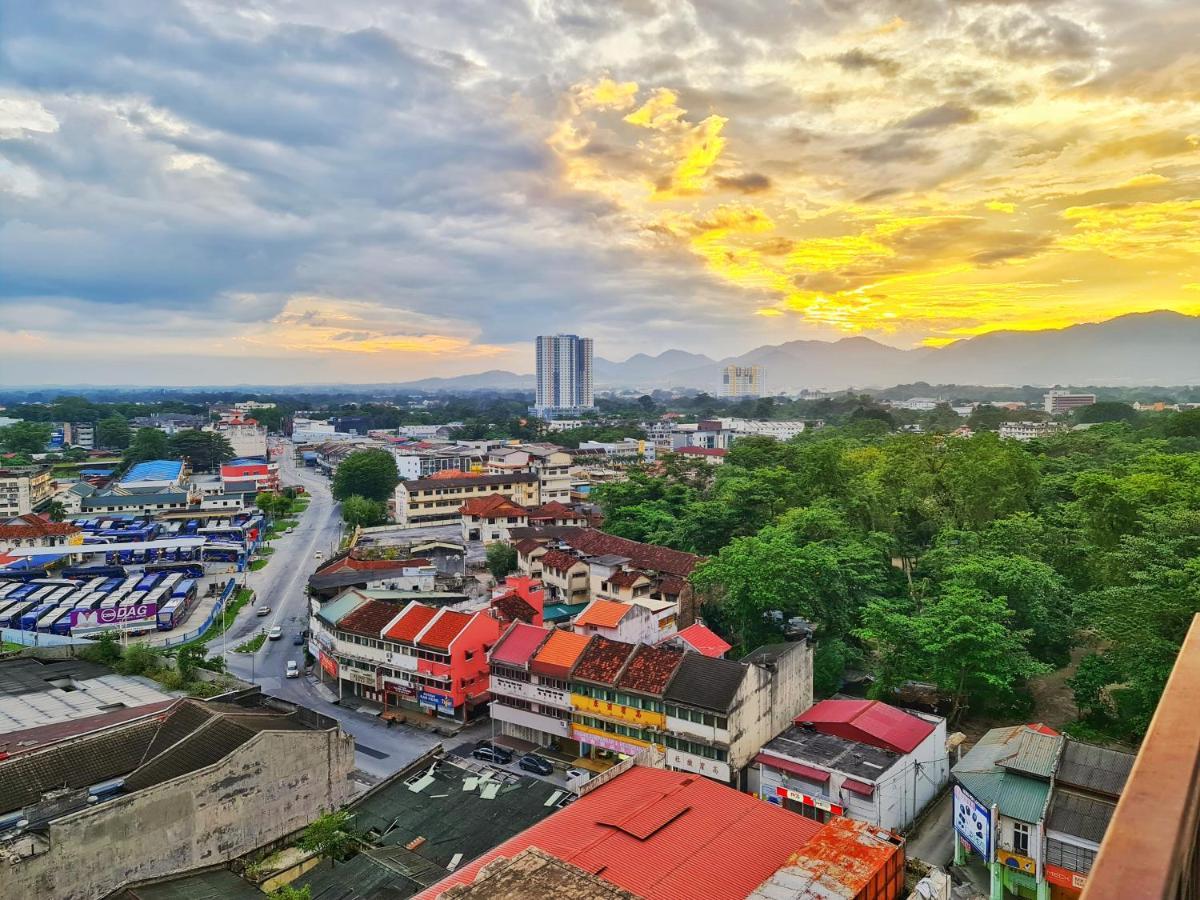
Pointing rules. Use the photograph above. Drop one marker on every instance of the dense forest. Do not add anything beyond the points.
(974, 563)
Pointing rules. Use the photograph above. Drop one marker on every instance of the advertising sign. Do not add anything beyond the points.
(115, 617)
(1065, 877)
(605, 742)
(329, 664)
(973, 821)
(437, 701)
(809, 800)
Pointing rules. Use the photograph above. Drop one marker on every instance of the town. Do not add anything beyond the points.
(600, 648)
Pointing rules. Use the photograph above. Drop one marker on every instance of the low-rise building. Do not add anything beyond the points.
(32, 530)
(1028, 431)
(567, 577)
(245, 436)
(699, 638)
(349, 571)
(519, 599)
(627, 622)
(857, 758)
(264, 475)
(24, 489)
(488, 519)
(438, 501)
(714, 456)
(550, 463)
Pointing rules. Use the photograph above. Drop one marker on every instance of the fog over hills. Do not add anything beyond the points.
(1141, 348)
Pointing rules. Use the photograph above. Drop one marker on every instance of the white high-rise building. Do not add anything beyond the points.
(564, 375)
(742, 381)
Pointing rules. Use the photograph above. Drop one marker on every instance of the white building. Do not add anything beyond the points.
(1028, 431)
(314, 431)
(856, 758)
(743, 381)
(1056, 402)
(246, 440)
(564, 375)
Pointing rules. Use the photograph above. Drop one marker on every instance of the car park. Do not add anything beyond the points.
(489, 752)
(275, 633)
(531, 762)
(293, 670)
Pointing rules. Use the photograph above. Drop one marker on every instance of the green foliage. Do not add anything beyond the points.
(501, 559)
(1184, 424)
(1106, 411)
(330, 835)
(25, 437)
(204, 450)
(139, 659)
(366, 473)
(112, 433)
(147, 444)
(56, 511)
(363, 512)
(105, 650)
(287, 892)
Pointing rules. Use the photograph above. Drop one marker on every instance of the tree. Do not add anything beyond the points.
(269, 503)
(112, 433)
(359, 511)
(1183, 424)
(205, 450)
(1106, 411)
(329, 835)
(25, 437)
(501, 560)
(56, 511)
(366, 473)
(147, 444)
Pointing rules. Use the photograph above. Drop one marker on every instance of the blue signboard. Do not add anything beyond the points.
(973, 822)
(437, 701)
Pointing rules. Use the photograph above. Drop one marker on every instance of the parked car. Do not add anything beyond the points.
(275, 633)
(293, 670)
(489, 752)
(318, 555)
(298, 639)
(263, 611)
(531, 762)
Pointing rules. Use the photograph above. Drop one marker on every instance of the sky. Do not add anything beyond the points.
(248, 191)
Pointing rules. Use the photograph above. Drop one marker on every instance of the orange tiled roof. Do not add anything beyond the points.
(448, 626)
(449, 473)
(603, 614)
(559, 561)
(411, 623)
(31, 526)
(560, 652)
(492, 506)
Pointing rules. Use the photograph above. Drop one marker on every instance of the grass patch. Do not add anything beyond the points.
(251, 645)
(5, 646)
(258, 564)
(240, 598)
(265, 551)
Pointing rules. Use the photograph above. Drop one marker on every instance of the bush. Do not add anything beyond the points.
(140, 659)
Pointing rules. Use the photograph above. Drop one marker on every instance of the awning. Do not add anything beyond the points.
(794, 768)
(859, 787)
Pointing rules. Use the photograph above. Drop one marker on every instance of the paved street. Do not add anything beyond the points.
(380, 750)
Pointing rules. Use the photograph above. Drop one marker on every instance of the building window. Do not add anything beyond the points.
(1021, 838)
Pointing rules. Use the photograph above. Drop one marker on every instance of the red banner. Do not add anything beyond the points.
(815, 802)
(329, 664)
(1065, 878)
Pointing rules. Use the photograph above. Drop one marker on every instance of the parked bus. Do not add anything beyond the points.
(46, 622)
(30, 617)
(171, 615)
(10, 616)
(147, 582)
(8, 587)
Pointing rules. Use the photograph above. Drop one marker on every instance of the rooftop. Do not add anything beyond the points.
(334, 611)
(514, 608)
(869, 722)
(559, 560)
(369, 618)
(603, 614)
(1079, 815)
(518, 644)
(704, 640)
(442, 630)
(829, 751)
(1093, 768)
(429, 484)
(659, 834)
(997, 770)
(493, 506)
(650, 669)
(154, 470)
(410, 623)
(706, 683)
(32, 525)
(534, 875)
(603, 661)
(560, 653)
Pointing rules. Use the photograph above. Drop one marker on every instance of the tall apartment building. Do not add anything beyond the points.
(23, 489)
(743, 381)
(564, 375)
(1064, 401)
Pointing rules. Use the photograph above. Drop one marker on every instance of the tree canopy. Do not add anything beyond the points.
(366, 473)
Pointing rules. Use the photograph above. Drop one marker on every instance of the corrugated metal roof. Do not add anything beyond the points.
(518, 644)
(869, 722)
(988, 773)
(333, 612)
(1094, 768)
(1035, 753)
(1080, 816)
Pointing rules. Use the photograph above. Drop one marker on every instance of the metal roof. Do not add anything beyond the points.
(869, 722)
(1080, 816)
(334, 611)
(154, 470)
(997, 771)
(1094, 768)
(705, 682)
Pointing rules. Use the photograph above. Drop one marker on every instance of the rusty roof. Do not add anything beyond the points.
(650, 670)
(838, 863)
(603, 661)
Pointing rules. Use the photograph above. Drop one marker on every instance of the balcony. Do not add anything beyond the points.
(1152, 848)
(528, 719)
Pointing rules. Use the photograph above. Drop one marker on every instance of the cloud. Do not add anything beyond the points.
(749, 183)
(945, 115)
(857, 60)
(1027, 34)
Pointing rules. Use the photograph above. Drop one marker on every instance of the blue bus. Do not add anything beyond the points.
(171, 614)
(10, 613)
(8, 587)
(147, 582)
(30, 617)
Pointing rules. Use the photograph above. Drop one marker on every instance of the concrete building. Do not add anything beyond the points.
(564, 376)
(629, 622)
(414, 462)
(439, 500)
(494, 518)
(23, 489)
(740, 382)
(551, 464)
(349, 571)
(313, 431)
(201, 784)
(1028, 431)
(248, 438)
(1055, 402)
(32, 530)
(263, 474)
(857, 758)
(80, 434)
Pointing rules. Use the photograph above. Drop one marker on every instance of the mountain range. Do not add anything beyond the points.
(1160, 347)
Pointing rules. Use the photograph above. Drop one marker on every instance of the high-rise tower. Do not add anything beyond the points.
(564, 375)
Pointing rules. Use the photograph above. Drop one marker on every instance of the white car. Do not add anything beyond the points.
(318, 555)
(293, 670)
(275, 633)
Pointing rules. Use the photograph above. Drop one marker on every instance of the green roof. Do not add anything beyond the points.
(1011, 768)
(332, 613)
(556, 612)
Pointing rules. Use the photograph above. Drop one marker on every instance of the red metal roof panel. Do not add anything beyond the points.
(786, 765)
(870, 722)
(518, 645)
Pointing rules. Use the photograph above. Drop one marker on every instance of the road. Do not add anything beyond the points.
(380, 750)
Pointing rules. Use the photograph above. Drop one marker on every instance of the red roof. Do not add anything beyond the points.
(526, 546)
(869, 722)
(492, 506)
(558, 560)
(353, 564)
(626, 579)
(602, 661)
(786, 765)
(445, 629)
(518, 644)
(603, 613)
(641, 556)
(701, 451)
(842, 861)
(514, 608)
(650, 670)
(560, 653)
(31, 525)
(450, 473)
(661, 835)
(411, 623)
(554, 510)
(704, 640)
(369, 618)
(858, 787)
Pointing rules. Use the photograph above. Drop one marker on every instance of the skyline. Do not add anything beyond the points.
(364, 194)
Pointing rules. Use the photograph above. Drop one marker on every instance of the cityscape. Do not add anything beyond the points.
(608, 451)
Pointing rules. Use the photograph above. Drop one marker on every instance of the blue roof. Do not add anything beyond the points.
(31, 562)
(247, 461)
(96, 471)
(155, 470)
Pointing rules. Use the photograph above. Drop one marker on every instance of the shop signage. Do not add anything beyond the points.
(1016, 861)
(329, 664)
(973, 821)
(809, 800)
(1065, 877)
(604, 742)
(436, 701)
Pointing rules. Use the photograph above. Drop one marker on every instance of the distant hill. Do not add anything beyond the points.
(1141, 348)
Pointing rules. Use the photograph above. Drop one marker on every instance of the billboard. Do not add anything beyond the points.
(115, 617)
(437, 701)
(973, 822)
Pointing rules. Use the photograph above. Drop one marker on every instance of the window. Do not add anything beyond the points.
(1021, 838)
